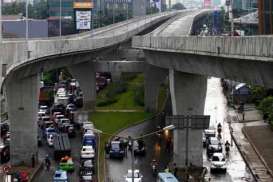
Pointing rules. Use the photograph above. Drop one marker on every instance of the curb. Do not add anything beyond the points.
(31, 178)
(243, 156)
(258, 153)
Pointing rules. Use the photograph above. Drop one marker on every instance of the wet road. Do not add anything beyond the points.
(118, 168)
(237, 170)
(216, 106)
(46, 176)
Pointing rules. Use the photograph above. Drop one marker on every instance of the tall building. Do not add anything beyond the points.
(265, 16)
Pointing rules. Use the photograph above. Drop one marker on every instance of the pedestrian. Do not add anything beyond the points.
(33, 161)
(175, 169)
(47, 163)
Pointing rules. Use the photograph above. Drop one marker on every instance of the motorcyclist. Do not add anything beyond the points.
(154, 166)
(227, 147)
(47, 162)
(219, 128)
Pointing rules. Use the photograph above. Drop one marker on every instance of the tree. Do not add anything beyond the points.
(178, 6)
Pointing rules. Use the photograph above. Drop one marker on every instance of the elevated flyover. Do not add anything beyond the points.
(24, 61)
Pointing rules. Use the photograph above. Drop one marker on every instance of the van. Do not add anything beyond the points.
(166, 177)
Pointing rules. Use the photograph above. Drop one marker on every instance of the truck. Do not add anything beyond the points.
(61, 146)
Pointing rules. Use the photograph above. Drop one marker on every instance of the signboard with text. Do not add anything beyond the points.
(83, 20)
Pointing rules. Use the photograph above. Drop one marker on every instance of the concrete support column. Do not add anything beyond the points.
(153, 77)
(22, 95)
(116, 76)
(86, 75)
(188, 93)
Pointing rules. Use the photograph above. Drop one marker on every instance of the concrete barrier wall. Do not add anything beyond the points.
(254, 47)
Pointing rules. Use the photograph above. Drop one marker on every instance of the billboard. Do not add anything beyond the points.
(83, 20)
(207, 3)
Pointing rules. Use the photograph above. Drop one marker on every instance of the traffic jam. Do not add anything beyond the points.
(57, 127)
(63, 122)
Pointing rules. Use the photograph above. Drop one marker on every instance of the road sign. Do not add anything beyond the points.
(188, 121)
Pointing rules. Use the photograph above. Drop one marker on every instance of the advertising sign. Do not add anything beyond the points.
(207, 3)
(83, 20)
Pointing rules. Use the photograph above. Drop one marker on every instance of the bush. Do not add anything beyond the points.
(117, 88)
(257, 94)
(266, 106)
(139, 95)
(106, 102)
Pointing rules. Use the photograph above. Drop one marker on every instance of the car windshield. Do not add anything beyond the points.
(115, 146)
(214, 142)
(215, 158)
(130, 175)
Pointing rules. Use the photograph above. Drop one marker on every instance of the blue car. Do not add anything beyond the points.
(116, 151)
(89, 140)
(60, 176)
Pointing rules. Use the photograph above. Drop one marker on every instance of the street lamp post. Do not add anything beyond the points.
(0, 21)
(60, 20)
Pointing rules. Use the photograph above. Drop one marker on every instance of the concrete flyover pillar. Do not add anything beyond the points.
(188, 93)
(153, 77)
(86, 75)
(22, 97)
(116, 76)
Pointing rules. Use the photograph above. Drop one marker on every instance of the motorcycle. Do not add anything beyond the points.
(154, 167)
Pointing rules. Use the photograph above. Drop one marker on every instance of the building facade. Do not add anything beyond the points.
(265, 16)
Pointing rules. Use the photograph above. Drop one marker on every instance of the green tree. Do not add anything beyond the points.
(257, 94)
(266, 106)
(178, 6)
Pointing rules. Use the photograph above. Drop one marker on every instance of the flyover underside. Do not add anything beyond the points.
(254, 72)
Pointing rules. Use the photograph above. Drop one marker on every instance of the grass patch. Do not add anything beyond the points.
(111, 122)
(124, 100)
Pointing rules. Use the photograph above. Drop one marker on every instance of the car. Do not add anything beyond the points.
(207, 134)
(137, 176)
(50, 130)
(43, 108)
(214, 145)
(89, 139)
(139, 147)
(166, 177)
(218, 162)
(87, 165)
(86, 175)
(60, 176)
(50, 139)
(58, 118)
(70, 130)
(67, 164)
(71, 108)
(116, 150)
(4, 153)
(87, 152)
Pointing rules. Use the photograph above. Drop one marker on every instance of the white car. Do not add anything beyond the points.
(218, 162)
(87, 152)
(50, 140)
(137, 176)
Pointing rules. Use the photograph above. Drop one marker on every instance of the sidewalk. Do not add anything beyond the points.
(258, 137)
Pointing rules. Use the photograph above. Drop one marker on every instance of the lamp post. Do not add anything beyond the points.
(131, 139)
(60, 19)
(0, 21)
